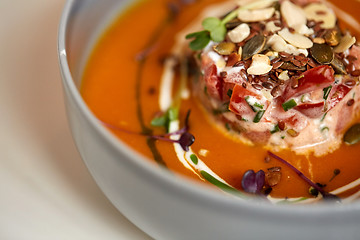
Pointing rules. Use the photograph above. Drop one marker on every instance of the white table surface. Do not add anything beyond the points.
(46, 191)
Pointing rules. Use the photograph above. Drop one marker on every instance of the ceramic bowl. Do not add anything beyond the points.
(164, 206)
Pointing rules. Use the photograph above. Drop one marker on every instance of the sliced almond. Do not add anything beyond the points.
(260, 65)
(271, 27)
(255, 4)
(256, 15)
(278, 44)
(284, 76)
(240, 52)
(295, 39)
(345, 43)
(239, 33)
(293, 15)
(320, 12)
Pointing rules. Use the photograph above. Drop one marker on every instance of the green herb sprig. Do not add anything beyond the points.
(215, 28)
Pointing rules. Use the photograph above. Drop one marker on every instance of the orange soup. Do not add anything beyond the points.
(122, 86)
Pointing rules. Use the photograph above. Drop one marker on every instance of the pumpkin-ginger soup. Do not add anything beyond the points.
(256, 97)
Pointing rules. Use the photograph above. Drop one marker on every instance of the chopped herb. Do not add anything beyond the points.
(244, 119)
(258, 105)
(229, 93)
(258, 116)
(289, 105)
(327, 92)
(194, 159)
(282, 137)
(303, 98)
(323, 117)
(255, 106)
(227, 126)
(276, 129)
(325, 129)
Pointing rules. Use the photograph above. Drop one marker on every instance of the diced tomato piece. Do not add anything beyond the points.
(240, 106)
(213, 83)
(313, 79)
(311, 110)
(338, 92)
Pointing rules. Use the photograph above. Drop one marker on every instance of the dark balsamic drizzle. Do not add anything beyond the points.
(173, 10)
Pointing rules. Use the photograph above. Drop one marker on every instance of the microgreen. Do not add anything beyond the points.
(185, 140)
(325, 195)
(164, 119)
(201, 40)
(219, 184)
(215, 28)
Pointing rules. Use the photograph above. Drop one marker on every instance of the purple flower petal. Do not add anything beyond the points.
(253, 182)
(259, 180)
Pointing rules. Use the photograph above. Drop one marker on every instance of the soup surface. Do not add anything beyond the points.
(122, 85)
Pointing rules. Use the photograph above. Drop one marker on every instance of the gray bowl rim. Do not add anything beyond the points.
(188, 188)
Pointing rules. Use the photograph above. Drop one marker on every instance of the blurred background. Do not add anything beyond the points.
(46, 191)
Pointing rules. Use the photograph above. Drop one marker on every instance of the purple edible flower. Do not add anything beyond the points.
(186, 140)
(253, 182)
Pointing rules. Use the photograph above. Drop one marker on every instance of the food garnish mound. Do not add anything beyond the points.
(279, 73)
